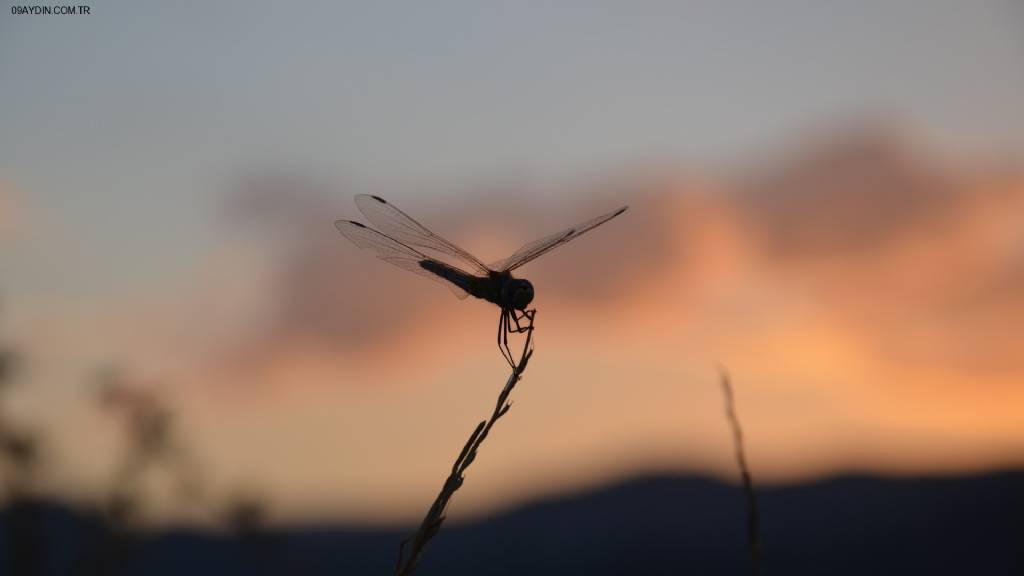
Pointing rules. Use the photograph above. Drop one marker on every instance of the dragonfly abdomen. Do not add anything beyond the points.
(466, 282)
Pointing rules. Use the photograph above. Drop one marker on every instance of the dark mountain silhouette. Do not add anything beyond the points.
(652, 525)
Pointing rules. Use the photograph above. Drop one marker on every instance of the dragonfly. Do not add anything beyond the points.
(400, 240)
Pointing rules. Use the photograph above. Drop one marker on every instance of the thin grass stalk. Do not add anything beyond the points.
(407, 563)
(753, 522)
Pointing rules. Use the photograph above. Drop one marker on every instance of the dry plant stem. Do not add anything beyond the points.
(753, 524)
(431, 525)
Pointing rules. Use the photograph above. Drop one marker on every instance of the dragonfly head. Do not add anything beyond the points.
(517, 293)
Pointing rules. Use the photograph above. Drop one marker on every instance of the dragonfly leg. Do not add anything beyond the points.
(523, 322)
(503, 330)
(526, 315)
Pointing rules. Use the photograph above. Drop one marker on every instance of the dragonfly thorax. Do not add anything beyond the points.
(516, 293)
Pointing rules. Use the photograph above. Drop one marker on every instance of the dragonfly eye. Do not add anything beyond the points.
(522, 294)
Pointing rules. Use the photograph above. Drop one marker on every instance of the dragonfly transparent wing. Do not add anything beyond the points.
(401, 227)
(537, 247)
(390, 250)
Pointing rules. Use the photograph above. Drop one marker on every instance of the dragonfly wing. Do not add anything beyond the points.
(390, 250)
(400, 226)
(537, 247)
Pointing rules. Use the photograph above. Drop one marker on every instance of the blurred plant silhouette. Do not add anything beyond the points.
(245, 516)
(151, 440)
(19, 464)
(753, 521)
(19, 449)
(245, 513)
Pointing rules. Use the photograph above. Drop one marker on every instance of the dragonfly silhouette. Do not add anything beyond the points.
(407, 244)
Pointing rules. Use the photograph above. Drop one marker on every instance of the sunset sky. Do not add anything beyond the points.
(826, 198)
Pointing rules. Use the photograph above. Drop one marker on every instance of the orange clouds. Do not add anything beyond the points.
(866, 296)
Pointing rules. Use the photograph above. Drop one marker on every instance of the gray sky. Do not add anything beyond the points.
(121, 131)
